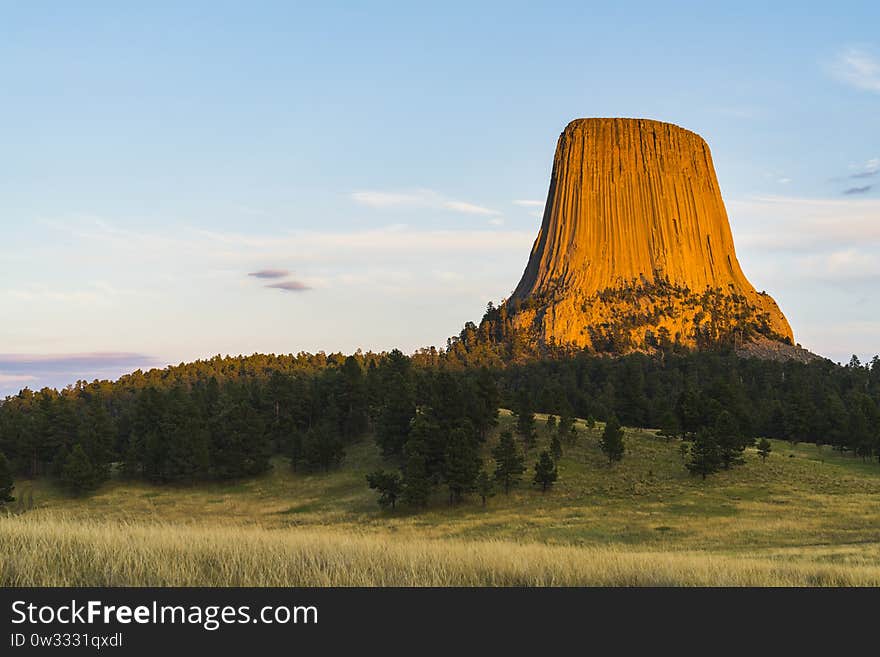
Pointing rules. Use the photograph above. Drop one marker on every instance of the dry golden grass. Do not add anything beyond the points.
(806, 516)
(45, 549)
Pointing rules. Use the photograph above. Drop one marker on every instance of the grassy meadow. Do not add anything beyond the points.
(806, 516)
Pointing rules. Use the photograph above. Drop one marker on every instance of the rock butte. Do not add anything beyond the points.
(635, 241)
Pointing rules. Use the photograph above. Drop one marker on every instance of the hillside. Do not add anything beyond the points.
(805, 516)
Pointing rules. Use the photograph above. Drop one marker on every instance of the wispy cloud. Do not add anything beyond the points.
(6, 379)
(97, 292)
(376, 199)
(848, 264)
(803, 224)
(468, 208)
(420, 198)
(290, 286)
(269, 273)
(858, 190)
(536, 207)
(858, 67)
(870, 169)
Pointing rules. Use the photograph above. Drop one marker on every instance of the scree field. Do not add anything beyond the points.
(806, 516)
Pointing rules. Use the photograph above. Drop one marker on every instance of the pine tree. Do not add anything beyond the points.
(486, 399)
(545, 471)
(572, 436)
(78, 473)
(396, 414)
(611, 442)
(462, 464)
(550, 425)
(485, 486)
(556, 447)
(566, 428)
(296, 449)
(353, 401)
(525, 420)
(6, 483)
(668, 425)
(417, 482)
(389, 485)
(764, 448)
(730, 441)
(322, 447)
(509, 463)
(684, 450)
(705, 454)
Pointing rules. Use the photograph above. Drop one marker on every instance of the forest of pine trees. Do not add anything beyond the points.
(430, 414)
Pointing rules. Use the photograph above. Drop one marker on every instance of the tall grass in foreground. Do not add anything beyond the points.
(45, 550)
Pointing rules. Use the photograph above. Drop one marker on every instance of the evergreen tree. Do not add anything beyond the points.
(545, 471)
(525, 420)
(611, 442)
(6, 483)
(764, 448)
(550, 425)
(485, 486)
(462, 464)
(296, 449)
(486, 402)
(669, 427)
(689, 410)
(78, 473)
(395, 416)
(556, 447)
(566, 422)
(730, 442)
(705, 454)
(389, 485)
(566, 430)
(684, 450)
(417, 482)
(353, 401)
(509, 463)
(239, 442)
(322, 447)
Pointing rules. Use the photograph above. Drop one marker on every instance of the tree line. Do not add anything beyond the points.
(224, 418)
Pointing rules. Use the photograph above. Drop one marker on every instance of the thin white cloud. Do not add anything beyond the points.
(6, 379)
(858, 67)
(322, 258)
(867, 170)
(98, 292)
(420, 198)
(376, 199)
(849, 264)
(803, 224)
(526, 203)
(468, 208)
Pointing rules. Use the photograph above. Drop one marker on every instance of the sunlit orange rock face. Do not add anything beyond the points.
(635, 244)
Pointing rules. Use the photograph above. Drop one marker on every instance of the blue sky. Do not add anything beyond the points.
(384, 165)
